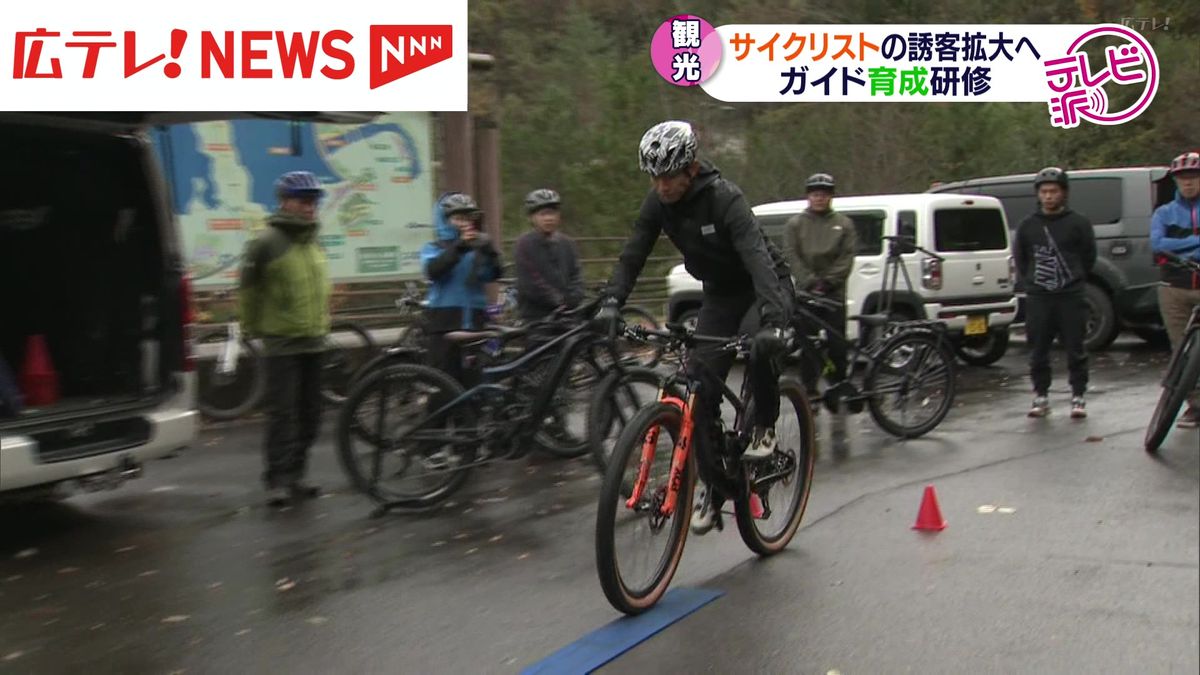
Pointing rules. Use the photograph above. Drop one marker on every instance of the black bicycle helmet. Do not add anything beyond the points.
(819, 181)
(667, 147)
(540, 199)
(1051, 174)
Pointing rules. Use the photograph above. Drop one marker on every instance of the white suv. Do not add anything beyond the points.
(971, 291)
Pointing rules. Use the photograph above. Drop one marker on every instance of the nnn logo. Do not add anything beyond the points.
(397, 51)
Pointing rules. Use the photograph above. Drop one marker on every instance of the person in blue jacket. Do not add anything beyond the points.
(459, 264)
(1175, 228)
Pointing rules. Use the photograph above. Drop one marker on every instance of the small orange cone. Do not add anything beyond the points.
(930, 516)
(38, 379)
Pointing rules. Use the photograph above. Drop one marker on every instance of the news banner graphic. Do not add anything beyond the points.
(234, 55)
(914, 63)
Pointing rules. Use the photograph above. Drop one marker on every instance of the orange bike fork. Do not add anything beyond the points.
(678, 459)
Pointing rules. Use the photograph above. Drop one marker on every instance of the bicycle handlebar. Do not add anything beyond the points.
(1179, 261)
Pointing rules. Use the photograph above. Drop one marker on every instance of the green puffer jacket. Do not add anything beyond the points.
(285, 289)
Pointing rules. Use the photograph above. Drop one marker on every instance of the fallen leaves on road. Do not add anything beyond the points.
(1093, 439)
(125, 549)
(68, 570)
(148, 573)
(176, 618)
(318, 620)
(284, 584)
(14, 656)
(240, 633)
(27, 553)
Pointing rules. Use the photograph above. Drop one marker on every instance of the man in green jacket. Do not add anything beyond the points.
(284, 300)
(820, 245)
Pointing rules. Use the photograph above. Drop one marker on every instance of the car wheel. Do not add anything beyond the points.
(1102, 326)
(983, 350)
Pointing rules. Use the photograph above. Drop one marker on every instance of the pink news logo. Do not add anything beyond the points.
(1080, 93)
(685, 50)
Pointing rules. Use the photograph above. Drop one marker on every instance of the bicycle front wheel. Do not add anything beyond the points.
(228, 396)
(381, 452)
(619, 396)
(633, 575)
(769, 511)
(911, 384)
(1181, 378)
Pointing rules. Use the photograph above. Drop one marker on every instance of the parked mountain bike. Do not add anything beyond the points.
(1183, 371)
(910, 376)
(653, 501)
(409, 422)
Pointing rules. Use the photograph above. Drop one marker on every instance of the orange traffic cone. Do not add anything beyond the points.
(39, 382)
(930, 516)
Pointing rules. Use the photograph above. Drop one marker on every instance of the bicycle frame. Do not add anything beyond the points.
(683, 445)
(569, 343)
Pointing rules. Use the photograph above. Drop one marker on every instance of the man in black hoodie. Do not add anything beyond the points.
(707, 218)
(549, 276)
(1054, 251)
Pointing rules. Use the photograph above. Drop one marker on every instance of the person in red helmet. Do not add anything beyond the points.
(1175, 228)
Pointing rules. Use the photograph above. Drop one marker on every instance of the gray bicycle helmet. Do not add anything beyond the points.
(667, 147)
(458, 202)
(1051, 174)
(540, 199)
(819, 181)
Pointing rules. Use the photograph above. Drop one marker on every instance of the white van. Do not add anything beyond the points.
(90, 261)
(971, 291)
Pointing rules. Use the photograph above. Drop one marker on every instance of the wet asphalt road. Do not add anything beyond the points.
(1088, 564)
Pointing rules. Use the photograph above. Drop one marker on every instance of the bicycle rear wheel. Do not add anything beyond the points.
(780, 485)
(349, 346)
(563, 432)
(911, 384)
(627, 588)
(228, 396)
(381, 453)
(1180, 380)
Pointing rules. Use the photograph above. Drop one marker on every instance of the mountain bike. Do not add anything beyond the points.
(654, 501)
(1183, 371)
(409, 421)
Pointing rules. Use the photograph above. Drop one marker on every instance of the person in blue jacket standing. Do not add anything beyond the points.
(1175, 228)
(459, 264)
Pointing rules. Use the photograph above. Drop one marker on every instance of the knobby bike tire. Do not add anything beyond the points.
(554, 438)
(1184, 369)
(254, 391)
(348, 429)
(604, 406)
(612, 501)
(748, 526)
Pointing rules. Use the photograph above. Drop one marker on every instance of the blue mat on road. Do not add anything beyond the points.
(608, 642)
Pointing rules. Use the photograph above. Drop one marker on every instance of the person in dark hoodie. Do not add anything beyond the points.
(1054, 251)
(284, 300)
(459, 265)
(549, 275)
(1175, 228)
(707, 218)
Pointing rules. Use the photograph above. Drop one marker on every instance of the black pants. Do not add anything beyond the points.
(1065, 316)
(834, 344)
(721, 315)
(294, 409)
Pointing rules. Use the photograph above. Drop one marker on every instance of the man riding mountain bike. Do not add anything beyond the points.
(707, 218)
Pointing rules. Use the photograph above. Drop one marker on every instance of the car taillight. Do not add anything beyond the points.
(1012, 271)
(931, 274)
(187, 316)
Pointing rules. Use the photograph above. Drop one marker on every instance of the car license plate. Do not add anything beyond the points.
(976, 325)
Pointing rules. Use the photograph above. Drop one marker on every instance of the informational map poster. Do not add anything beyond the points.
(375, 217)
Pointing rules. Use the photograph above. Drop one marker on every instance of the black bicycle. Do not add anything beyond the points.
(408, 421)
(648, 488)
(910, 376)
(1183, 371)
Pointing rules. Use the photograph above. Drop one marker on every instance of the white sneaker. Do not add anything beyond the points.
(703, 514)
(1040, 407)
(762, 445)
